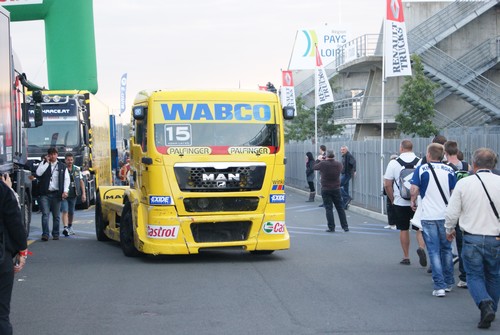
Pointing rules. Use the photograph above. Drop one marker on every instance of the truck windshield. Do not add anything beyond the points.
(215, 135)
(54, 133)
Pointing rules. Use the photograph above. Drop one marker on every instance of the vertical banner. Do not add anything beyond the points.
(287, 91)
(123, 93)
(396, 53)
(323, 90)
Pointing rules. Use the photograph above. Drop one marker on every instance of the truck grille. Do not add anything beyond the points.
(235, 178)
(220, 231)
(236, 204)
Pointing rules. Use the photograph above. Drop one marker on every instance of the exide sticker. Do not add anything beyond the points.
(160, 200)
(277, 198)
(274, 227)
(163, 232)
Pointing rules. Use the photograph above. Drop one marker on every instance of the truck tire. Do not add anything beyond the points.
(100, 224)
(127, 232)
(86, 204)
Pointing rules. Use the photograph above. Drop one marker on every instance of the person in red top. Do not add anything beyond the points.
(125, 172)
(330, 170)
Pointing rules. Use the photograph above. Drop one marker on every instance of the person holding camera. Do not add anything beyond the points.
(54, 187)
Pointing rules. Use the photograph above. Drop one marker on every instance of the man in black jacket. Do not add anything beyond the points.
(13, 244)
(348, 172)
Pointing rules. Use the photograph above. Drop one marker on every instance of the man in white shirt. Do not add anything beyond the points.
(402, 210)
(434, 182)
(481, 227)
(54, 187)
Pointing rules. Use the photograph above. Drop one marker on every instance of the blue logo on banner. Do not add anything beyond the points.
(277, 198)
(160, 200)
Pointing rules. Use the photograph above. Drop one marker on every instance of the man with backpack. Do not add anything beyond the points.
(397, 186)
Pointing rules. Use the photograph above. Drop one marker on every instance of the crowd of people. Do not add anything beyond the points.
(444, 199)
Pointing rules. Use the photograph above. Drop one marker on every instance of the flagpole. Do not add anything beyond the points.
(382, 119)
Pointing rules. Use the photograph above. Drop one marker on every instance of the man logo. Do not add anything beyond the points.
(221, 184)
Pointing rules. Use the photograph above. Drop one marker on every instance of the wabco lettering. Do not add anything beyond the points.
(160, 200)
(274, 227)
(163, 232)
(277, 198)
(217, 112)
(221, 177)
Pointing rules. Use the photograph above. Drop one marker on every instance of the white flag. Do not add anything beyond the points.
(287, 91)
(321, 84)
(396, 53)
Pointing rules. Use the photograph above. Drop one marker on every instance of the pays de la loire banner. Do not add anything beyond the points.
(328, 39)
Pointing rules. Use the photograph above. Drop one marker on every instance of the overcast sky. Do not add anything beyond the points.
(165, 44)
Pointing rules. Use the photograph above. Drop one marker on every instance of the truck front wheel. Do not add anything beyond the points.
(127, 232)
(100, 224)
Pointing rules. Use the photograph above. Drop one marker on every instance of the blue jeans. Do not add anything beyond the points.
(344, 188)
(481, 256)
(50, 203)
(330, 198)
(439, 250)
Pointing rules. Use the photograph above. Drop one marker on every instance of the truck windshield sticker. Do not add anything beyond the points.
(189, 151)
(216, 112)
(248, 150)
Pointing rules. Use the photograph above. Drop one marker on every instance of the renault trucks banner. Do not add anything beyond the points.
(287, 91)
(328, 39)
(396, 53)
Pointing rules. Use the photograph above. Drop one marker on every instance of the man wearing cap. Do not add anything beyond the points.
(54, 187)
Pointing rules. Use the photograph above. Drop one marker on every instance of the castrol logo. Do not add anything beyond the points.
(163, 232)
(274, 227)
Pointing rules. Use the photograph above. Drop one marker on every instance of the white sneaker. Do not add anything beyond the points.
(439, 293)
(70, 231)
(449, 288)
(65, 231)
(462, 284)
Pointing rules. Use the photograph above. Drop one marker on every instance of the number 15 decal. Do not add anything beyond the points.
(178, 134)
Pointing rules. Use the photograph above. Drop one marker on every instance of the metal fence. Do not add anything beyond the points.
(367, 186)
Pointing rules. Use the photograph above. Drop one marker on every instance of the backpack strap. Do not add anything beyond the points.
(465, 166)
(409, 165)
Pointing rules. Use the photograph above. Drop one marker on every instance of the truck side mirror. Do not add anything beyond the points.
(139, 112)
(38, 115)
(288, 113)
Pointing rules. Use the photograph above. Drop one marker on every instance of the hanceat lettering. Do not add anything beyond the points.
(277, 198)
(163, 232)
(248, 150)
(274, 227)
(217, 112)
(160, 200)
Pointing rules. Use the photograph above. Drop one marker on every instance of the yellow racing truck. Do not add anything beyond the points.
(207, 171)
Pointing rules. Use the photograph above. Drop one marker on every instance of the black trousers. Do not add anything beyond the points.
(6, 285)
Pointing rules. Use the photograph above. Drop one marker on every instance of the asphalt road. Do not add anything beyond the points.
(349, 283)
